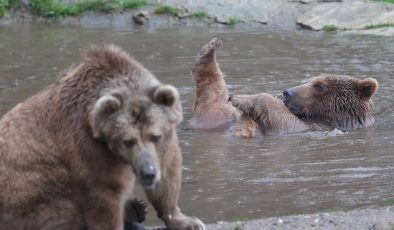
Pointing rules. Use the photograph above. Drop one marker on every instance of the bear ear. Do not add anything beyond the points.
(103, 107)
(367, 87)
(165, 95)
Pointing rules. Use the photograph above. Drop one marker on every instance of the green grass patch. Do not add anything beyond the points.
(390, 202)
(199, 14)
(6, 5)
(330, 28)
(55, 9)
(377, 26)
(388, 1)
(164, 9)
(330, 210)
(233, 21)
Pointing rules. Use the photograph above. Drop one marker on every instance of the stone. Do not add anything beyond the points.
(347, 15)
(141, 17)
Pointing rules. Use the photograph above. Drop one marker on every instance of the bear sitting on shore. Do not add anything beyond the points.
(325, 102)
(70, 154)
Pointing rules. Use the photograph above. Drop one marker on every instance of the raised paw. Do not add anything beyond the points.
(210, 47)
(205, 55)
(182, 222)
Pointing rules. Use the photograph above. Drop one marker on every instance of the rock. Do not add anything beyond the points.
(306, 1)
(141, 17)
(347, 15)
(225, 10)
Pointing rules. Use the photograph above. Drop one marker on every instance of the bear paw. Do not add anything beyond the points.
(210, 47)
(205, 55)
(182, 222)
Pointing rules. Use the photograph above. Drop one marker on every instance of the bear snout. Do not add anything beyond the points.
(147, 174)
(287, 95)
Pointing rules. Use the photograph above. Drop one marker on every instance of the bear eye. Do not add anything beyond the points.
(318, 88)
(155, 138)
(130, 143)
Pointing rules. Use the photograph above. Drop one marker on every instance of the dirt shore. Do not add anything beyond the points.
(360, 219)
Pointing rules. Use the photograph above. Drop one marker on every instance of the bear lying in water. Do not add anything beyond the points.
(325, 102)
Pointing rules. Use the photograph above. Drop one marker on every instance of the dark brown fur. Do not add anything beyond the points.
(342, 102)
(63, 167)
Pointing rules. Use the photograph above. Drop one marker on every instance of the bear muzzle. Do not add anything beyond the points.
(287, 95)
(148, 173)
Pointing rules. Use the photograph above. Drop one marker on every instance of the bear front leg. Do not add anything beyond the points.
(104, 211)
(164, 197)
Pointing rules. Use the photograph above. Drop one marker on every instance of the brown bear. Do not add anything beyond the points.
(70, 154)
(325, 102)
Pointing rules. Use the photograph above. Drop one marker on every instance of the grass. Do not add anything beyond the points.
(164, 9)
(390, 202)
(232, 21)
(377, 26)
(388, 1)
(199, 14)
(55, 9)
(6, 5)
(330, 210)
(330, 28)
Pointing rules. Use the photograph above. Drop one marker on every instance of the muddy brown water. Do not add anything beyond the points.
(228, 178)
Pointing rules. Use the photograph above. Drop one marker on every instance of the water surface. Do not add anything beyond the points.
(227, 178)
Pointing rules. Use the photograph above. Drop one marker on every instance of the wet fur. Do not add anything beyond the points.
(211, 109)
(346, 106)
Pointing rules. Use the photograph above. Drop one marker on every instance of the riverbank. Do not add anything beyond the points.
(361, 219)
(352, 16)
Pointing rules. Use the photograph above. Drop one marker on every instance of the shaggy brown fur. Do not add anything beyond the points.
(343, 102)
(211, 109)
(70, 154)
(324, 103)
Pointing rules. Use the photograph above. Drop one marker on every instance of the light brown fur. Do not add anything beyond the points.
(211, 109)
(343, 102)
(69, 155)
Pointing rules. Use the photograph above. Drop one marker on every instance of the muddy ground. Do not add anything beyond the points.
(361, 219)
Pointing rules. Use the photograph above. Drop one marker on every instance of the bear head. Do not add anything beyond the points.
(342, 101)
(137, 128)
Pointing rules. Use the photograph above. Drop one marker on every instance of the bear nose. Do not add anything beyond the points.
(147, 174)
(287, 94)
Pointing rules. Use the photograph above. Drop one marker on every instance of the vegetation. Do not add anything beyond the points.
(199, 14)
(330, 28)
(388, 1)
(6, 5)
(55, 9)
(330, 210)
(390, 202)
(232, 21)
(377, 26)
(164, 9)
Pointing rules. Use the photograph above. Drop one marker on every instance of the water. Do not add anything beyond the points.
(227, 178)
